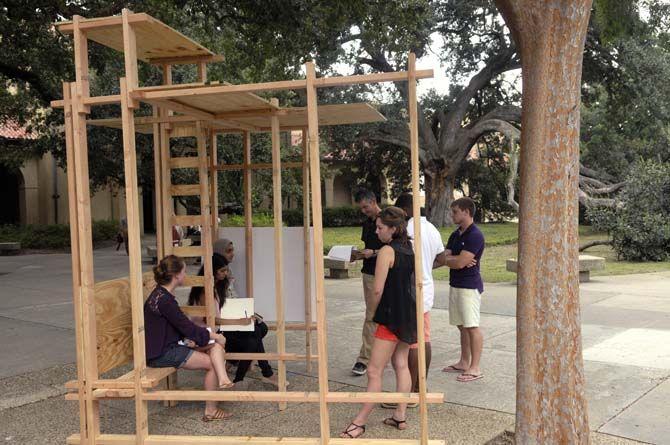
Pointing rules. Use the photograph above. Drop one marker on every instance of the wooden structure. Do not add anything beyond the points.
(109, 316)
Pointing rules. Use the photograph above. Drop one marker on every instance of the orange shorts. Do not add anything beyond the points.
(384, 333)
(426, 330)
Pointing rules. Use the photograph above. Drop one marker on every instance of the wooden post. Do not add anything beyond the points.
(158, 196)
(76, 266)
(418, 259)
(134, 262)
(214, 185)
(166, 173)
(278, 235)
(315, 182)
(248, 214)
(81, 63)
(206, 235)
(85, 243)
(130, 55)
(202, 72)
(308, 258)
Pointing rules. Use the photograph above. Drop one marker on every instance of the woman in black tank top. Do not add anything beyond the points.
(395, 315)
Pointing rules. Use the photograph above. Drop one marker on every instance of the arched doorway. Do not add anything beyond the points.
(11, 181)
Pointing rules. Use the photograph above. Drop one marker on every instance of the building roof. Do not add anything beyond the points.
(12, 130)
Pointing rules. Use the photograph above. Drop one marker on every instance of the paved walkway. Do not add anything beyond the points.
(626, 332)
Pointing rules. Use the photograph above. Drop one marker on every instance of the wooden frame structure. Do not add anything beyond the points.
(203, 110)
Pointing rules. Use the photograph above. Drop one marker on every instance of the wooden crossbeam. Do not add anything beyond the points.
(188, 251)
(184, 162)
(257, 166)
(185, 190)
(129, 439)
(187, 60)
(187, 220)
(181, 108)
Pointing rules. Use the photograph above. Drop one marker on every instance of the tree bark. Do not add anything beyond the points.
(550, 403)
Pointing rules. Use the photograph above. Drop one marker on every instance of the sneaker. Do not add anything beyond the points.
(395, 405)
(359, 368)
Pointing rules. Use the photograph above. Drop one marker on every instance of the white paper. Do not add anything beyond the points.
(342, 253)
(237, 308)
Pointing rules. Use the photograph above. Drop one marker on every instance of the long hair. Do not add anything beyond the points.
(167, 269)
(396, 217)
(221, 287)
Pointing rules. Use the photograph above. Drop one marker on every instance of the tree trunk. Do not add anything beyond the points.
(439, 196)
(550, 403)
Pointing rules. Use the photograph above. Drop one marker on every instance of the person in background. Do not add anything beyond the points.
(166, 326)
(395, 300)
(465, 246)
(367, 202)
(432, 254)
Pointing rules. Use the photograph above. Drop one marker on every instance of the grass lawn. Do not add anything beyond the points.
(500, 245)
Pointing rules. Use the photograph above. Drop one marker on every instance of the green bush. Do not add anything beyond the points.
(640, 225)
(346, 216)
(54, 236)
(342, 216)
(258, 220)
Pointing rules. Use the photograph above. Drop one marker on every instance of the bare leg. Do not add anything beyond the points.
(382, 351)
(414, 365)
(464, 362)
(476, 340)
(403, 379)
(201, 360)
(219, 363)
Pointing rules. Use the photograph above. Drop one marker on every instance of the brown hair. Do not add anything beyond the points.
(465, 203)
(168, 268)
(395, 217)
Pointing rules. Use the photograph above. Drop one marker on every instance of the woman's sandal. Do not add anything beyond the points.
(346, 434)
(219, 414)
(392, 421)
(227, 385)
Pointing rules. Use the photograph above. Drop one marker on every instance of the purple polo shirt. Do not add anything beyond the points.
(471, 240)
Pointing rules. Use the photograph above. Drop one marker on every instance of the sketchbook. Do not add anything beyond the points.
(342, 253)
(237, 308)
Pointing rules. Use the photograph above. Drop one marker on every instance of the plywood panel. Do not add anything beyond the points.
(113, 323)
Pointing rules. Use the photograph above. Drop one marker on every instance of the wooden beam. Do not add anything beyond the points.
(130, 56)
(290, 396)
(187, 60)
(258, 112)
(202, 71)
(166, 188)
(87, 281)
(220, 89)
(134, 256)
(324, 82)
(257, 166)
(158, 179)
(129, 439)
(185, 162)
(189, 252)
(67, 27)
(81, 64)
(96, 100)
(185, 190)
(214, 186)
(306, 233)
(315, 184)
(181, 108)
(418, 259)
(187, 220)
(248, 215)
(76, 265)
(279, 247)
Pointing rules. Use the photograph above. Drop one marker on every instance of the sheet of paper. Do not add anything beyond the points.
(237, 308)
(342, 253)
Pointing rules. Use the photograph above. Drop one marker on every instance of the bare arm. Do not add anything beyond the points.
(462, 260)
(385, 259)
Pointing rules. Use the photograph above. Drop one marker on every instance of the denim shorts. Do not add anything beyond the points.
(174, 357)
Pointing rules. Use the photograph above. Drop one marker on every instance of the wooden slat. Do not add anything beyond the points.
(187, 60)
(96, 100)
(129, 439)
(187, 220)
(257, 166)
(214, 187)
(188, 251)
(317, 246)
(185, 190)
(248, 215)
(306, 252)
(164, 186)
(296, 326)
(158, 179)
(291, 396)
(184, 162)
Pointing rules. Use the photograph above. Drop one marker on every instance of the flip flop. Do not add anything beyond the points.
(227, 385)
(219, 414)
(452, 368)
(346, 434)
(467, 377)
(392, 421)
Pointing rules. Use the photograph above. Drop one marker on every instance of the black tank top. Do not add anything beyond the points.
(397, 307)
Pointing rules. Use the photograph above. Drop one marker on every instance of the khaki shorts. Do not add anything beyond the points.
(464, 307)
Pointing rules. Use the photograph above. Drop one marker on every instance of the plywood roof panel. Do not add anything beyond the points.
(155, 39)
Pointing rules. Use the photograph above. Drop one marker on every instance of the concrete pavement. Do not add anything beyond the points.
(626, 330)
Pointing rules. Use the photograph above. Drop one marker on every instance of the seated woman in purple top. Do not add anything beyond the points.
(165, 325)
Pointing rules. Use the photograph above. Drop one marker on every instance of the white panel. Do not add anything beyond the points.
(264, 271)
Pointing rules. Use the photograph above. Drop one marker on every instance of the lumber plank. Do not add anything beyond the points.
(188, 251)
(184, 162)
(185, 190)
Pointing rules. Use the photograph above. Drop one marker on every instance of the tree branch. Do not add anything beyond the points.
(602, 242)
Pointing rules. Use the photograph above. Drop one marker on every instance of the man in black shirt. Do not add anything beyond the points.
(367, 202)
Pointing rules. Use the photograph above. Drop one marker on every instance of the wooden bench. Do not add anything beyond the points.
(10, 248)
(338, 268)
(587, 263)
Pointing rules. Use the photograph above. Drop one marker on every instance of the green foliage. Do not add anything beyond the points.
(54, 236)
(616, 19)
(640, 227)
(258, 220)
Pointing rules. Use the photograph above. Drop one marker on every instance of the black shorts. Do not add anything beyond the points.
(174, 357)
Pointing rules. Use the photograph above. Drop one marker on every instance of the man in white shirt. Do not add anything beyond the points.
(432, 252)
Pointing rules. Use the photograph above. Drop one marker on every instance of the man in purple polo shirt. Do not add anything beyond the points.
(464, 252)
